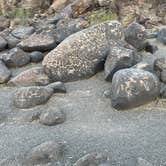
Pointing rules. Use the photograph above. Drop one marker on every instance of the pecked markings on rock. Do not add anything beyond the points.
(82, 54)
(27, 97)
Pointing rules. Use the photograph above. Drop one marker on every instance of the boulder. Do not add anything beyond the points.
(133, 87)
(38, 42)
(16, 57)
(44, 153)
(135, 34)
(161, 36)
(82, 54)
(36, 56)
(3, 43)
(31, 77)
(23, 32)
(4, 73)
(118, 58)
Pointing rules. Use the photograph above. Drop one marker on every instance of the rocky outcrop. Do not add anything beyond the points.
(82, 54)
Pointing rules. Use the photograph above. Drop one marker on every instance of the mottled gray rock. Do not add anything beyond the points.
(38, 42)
(91, 159)
(36, 56)
(66, 27)
(44, 153)
(135, 34)
(58, 87)
(52, 117)
(161, 36)
(3, 43)
(16, 57)
(23, 32)
(117, 59)
(5, 33)
(143, 162)
(82, 54)
(4, 73)
(151, 48)
(4, 23)
(31, 77)
(133, 87)
(12, 41)
(163, 76)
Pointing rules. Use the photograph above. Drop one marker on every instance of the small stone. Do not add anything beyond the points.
(16, 58)
(52, 117)
(44, 153)
(3, 43)
(4, 73)
(162, 36)
(36, 56)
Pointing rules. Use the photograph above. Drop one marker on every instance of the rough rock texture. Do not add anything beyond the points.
(38, 42)
(133, 87)
(4, 23)
(16, 57)
(118, 58)
(162, 35)
(3, 43)
(143, 162)
(44, 153)
(31, 77)
(4, 73)
(36, 56)
(12, 41)
(82, 54)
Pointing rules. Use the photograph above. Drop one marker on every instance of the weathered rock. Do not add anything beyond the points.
(151, 48)
(31, 77)
(58, 4)
(91, 159)
(4, 23)
(52, 117)
(27, 97)
(16, 57)
(144, 66)
(5, 33)
(3, 43)
(38, 42)
(36, 56)
(12, 41)
(117, 59)
(104, 2)
(162, 36)
(23, 32)
(135, 35)
(4, 73)
(82, 54)
(66, 27)
(44, 153)
(133, 87)
(143, 162)
(58, 87)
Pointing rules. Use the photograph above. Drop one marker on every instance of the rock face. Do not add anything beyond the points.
(162, 36)
(133, 87)
(135, 35)
(82, 54)
(118, 58)
(4, 73)
(31, 77)
(44, 153)
(16, 57)
(38, 42)
(3, 43)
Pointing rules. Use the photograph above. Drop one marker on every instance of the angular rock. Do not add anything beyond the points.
(38, 42)
(82, 54)
(133, 87)
(91, 159)
(117, 59)
(135, 35)
(3, 43)
(16, 57)
(4, 73)
(52, 117)
(36, 56)
(44, 153)
(27, 97)
(23, 32)
(31, 77)
(12, 41)
(161, 36)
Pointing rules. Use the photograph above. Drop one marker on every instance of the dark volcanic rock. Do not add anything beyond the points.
(82, 54)
(36, 56)
(16, 57)
(31, 77)
(133, 87)
(38, 42)
(4, 73)
(12, 41)
(45, 153)
(3, 43)
(52, 117)
(161, 36)
(117, 59)
(135, 35)
(91, 159)
(23, 32)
